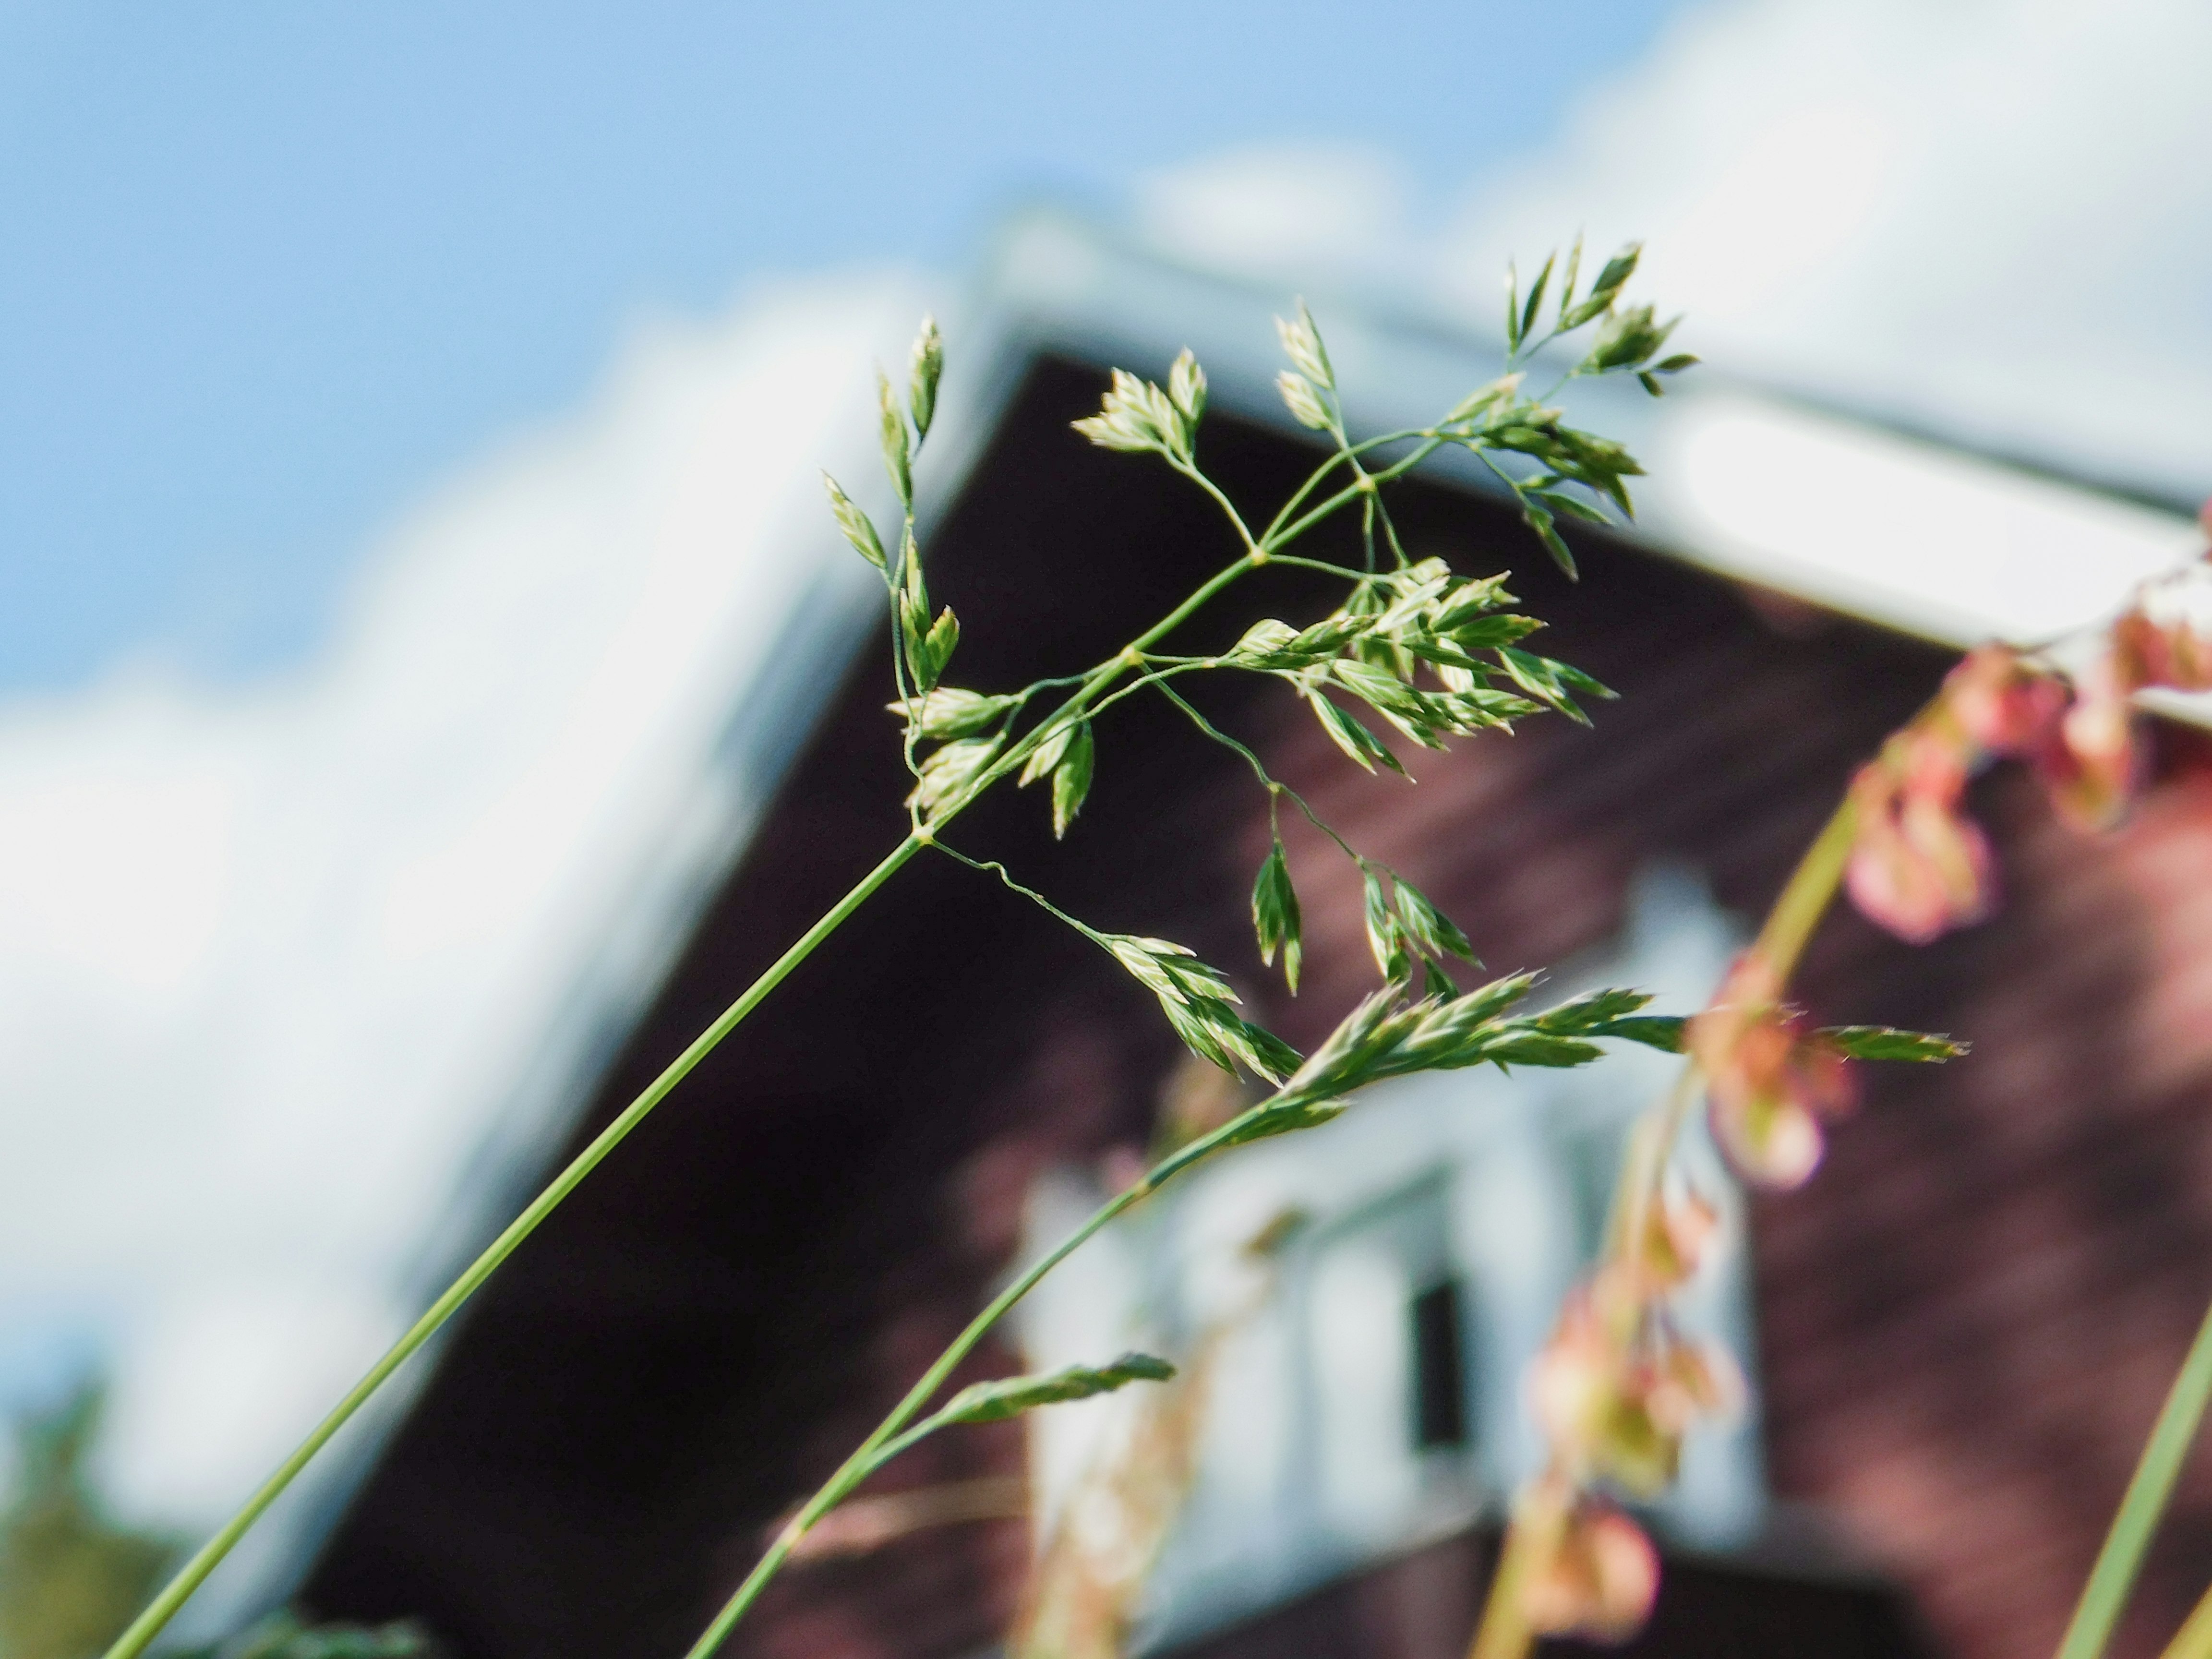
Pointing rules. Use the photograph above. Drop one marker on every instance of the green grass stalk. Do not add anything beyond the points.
(2105, 1595)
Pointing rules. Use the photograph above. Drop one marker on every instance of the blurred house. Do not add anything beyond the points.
(1957, 1334)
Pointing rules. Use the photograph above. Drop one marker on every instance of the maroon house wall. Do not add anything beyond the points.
(1967, 1320)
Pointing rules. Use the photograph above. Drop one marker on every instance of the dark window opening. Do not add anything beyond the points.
(1439, 1371)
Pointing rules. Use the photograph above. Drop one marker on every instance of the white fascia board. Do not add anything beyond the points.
(1920, 537)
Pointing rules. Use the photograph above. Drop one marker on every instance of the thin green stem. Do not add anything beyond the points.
(1157, 677)
(1811, 888)
(164, 1606)
(1338, 570)
(1312, 516)
(992, 867)
(909, 549)
(1021, 697)
(869, 1455)
(1372, 508)
(1314, 480)
(1190, 472)
(1650, 1149)
(1390, 531)
(1274, 787)
(2194, 1639)
(1520, 487)
(1538, 1521)
(2105, 1595)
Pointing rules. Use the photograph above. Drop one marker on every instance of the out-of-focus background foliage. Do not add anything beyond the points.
(67, 1566)
(332, 341)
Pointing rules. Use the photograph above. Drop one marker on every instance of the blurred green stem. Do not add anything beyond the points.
(1539, 1520)
(1811, 888)
(2194, 1639)
(2105, 1595)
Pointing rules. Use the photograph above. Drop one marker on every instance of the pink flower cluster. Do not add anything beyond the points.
(1919, 865)
(1771, 1081)
(1617, 1385)
(1602, 1577)
(1614, 1390)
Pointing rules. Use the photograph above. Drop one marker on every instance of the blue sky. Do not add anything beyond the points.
(270, 272)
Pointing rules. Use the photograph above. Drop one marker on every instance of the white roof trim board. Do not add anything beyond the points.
(1904, 532)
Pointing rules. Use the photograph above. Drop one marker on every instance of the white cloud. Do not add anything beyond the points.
(1991, 217)
(271, 958)
(1994, 216)
(1318, 209)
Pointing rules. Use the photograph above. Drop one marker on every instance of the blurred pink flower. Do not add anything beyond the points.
(2090, 763)
(2093, 760)
(1769, 1082)
(1919, 866)
(1617, 1387)
(1601, 1580)
(2167, 639)
(1676, 1232)
(2001, 703)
